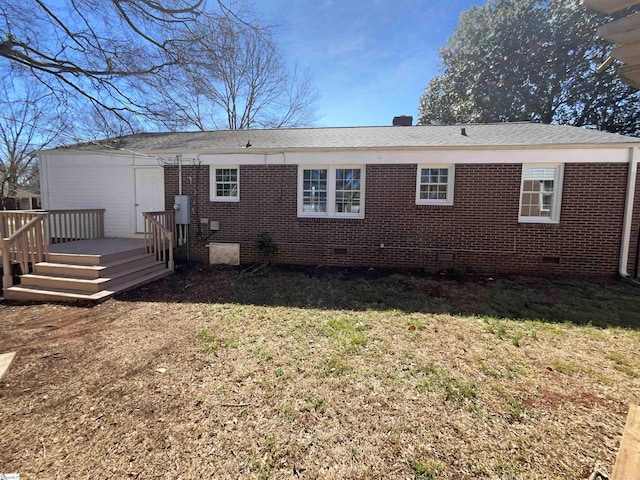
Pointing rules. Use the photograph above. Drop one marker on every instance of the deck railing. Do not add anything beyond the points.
(26, 234)
(25, 246)
(159, 235)
(165, 218)
(70, 225)
(13, 220)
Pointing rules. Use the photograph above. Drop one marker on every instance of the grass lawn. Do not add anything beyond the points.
(288, 373)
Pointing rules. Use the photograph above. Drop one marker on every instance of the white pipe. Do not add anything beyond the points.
(179, 158)
(628, 213)
(180, 227)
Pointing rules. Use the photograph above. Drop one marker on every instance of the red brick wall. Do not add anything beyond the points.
(481, 229)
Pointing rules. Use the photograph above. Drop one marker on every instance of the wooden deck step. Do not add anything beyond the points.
(88, 285)
(627, 465)
(38, 294)
(92, 271)
(88, 270)
(92, 259)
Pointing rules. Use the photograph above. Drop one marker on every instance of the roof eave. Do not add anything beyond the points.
(259, 151)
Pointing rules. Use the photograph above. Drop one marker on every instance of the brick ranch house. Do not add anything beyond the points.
(512, 198)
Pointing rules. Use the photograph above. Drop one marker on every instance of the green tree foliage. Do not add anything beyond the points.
(529, 60)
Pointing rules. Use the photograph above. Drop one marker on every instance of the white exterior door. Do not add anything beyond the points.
(149, 185)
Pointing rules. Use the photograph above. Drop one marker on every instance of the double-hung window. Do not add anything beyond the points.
(331, 191)
(225, 184)
(434, 185)
(540, 193)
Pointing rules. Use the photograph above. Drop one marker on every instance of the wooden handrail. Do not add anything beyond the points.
(167, 219)
(159, 239)
(12, 220)
(25, 246)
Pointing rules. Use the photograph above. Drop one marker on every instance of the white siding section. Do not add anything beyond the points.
(93, 181)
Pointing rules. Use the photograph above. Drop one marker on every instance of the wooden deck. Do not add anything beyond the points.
(99, 246)
(62, 255)
(89, 270)
(627, 465)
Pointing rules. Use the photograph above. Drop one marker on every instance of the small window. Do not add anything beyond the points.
(329, 191)
(348, 190)
(225, 184)
(314, 191)
(540, 194)
(435, 185)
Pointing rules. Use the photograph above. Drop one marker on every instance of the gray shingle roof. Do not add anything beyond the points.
(450, 136)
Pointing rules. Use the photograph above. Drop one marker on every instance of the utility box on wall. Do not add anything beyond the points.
(182, 207)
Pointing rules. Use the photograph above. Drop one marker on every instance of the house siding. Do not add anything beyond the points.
(479, 232)
(95, 181)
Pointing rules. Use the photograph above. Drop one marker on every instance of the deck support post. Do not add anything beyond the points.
(7, 277)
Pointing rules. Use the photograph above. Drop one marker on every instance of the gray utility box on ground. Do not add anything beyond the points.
(182, 206)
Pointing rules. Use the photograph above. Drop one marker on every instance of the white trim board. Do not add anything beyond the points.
(370, 157)
(610, 155)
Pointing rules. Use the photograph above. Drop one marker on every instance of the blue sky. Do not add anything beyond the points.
(371, 59)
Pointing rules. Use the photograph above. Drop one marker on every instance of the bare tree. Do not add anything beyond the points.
(30, 120)
(237, 78)
(100, 49)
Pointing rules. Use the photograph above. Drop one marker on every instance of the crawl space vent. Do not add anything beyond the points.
(550, 260)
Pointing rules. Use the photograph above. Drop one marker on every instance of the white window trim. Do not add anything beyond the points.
(557, 197)
(212, 181)
(331, 191)
(450, 184)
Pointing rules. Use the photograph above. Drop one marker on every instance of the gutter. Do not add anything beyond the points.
(375, 148)
(628, 212)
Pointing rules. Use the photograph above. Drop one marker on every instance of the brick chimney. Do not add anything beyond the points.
(403, 121)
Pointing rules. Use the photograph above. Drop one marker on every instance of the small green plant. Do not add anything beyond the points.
(622, 364)
(211, 342)
(517, 338)
(334, 366)
(347, 333)
(514, 405)
(438, 380)
(266, 245)
(281, 373)
(489, 371)
(312, 404)
(565, 367)
(428, 470)
(415, 324)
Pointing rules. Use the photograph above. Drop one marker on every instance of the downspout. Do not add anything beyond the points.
(628, 213)
(179, 159)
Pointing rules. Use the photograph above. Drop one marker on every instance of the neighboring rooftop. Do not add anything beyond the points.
(450, 136)
(25, 193)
